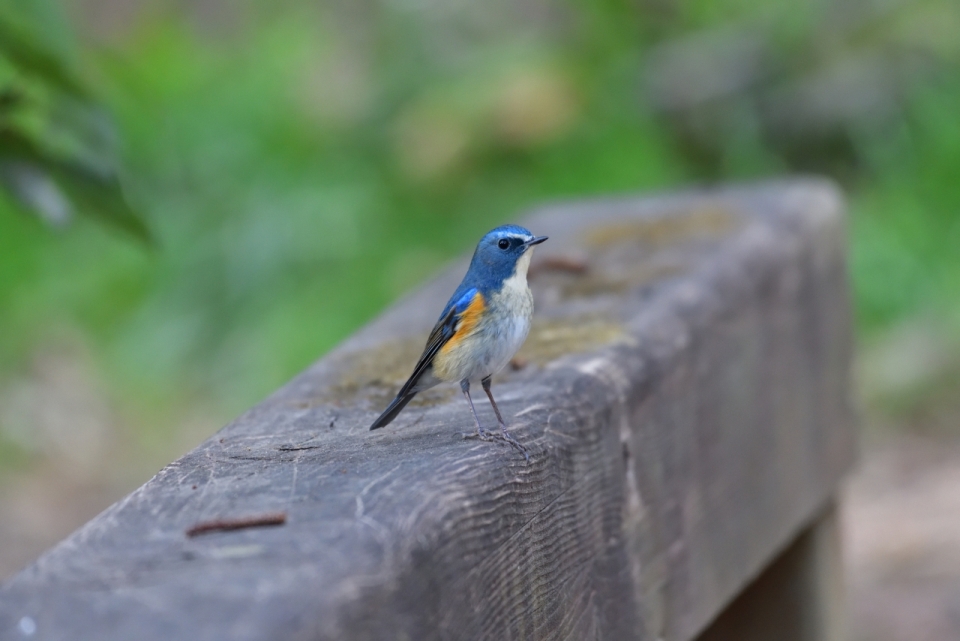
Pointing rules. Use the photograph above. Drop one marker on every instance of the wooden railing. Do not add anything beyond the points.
(683, 395)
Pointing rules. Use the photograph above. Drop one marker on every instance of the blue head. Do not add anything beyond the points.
(500, 254)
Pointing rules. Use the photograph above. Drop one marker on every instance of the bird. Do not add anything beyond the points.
(480, 328)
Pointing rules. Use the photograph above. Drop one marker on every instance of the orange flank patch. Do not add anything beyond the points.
(467, 322)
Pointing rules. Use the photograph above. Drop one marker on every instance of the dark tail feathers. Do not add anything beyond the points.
(392, 410)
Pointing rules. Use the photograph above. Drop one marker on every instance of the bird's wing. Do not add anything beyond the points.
(442, 332)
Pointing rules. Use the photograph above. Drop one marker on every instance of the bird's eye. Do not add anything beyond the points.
(503, 244)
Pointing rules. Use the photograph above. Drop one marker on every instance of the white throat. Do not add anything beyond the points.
(518, 281)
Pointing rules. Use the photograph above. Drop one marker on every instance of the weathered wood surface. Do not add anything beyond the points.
(684, 401)
(799, 596)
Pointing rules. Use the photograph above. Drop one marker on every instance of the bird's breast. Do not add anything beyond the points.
(513, 299)
(484, 344)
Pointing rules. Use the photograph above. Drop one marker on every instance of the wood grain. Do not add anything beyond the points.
(685, 403)
(799, 596)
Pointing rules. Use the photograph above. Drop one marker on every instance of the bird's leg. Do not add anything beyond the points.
(503, 426)
(485, 382)
(481, 433)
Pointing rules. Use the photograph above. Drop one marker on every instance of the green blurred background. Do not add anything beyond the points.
(296, 167)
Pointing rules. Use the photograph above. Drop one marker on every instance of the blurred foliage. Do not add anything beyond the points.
(56, 143)
(303, 165)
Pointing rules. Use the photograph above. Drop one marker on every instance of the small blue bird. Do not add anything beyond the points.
(482, 326)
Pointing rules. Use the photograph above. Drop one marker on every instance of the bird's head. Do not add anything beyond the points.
(504, 252)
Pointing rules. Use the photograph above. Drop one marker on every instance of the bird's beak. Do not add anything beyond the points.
(535, 241)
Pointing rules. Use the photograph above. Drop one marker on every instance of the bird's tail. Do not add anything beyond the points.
(392, 410)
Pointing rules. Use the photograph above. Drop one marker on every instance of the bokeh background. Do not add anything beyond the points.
(291, 167)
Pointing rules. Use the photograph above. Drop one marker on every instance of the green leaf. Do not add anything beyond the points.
(28, 54)
(57, 145)
(52, 186)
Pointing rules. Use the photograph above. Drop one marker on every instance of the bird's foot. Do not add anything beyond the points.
(481, 434)
(503, 437)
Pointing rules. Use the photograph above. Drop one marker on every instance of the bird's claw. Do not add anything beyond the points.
(504, 436)
(484, 435)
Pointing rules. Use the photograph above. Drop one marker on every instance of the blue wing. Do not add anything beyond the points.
(442, 332)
